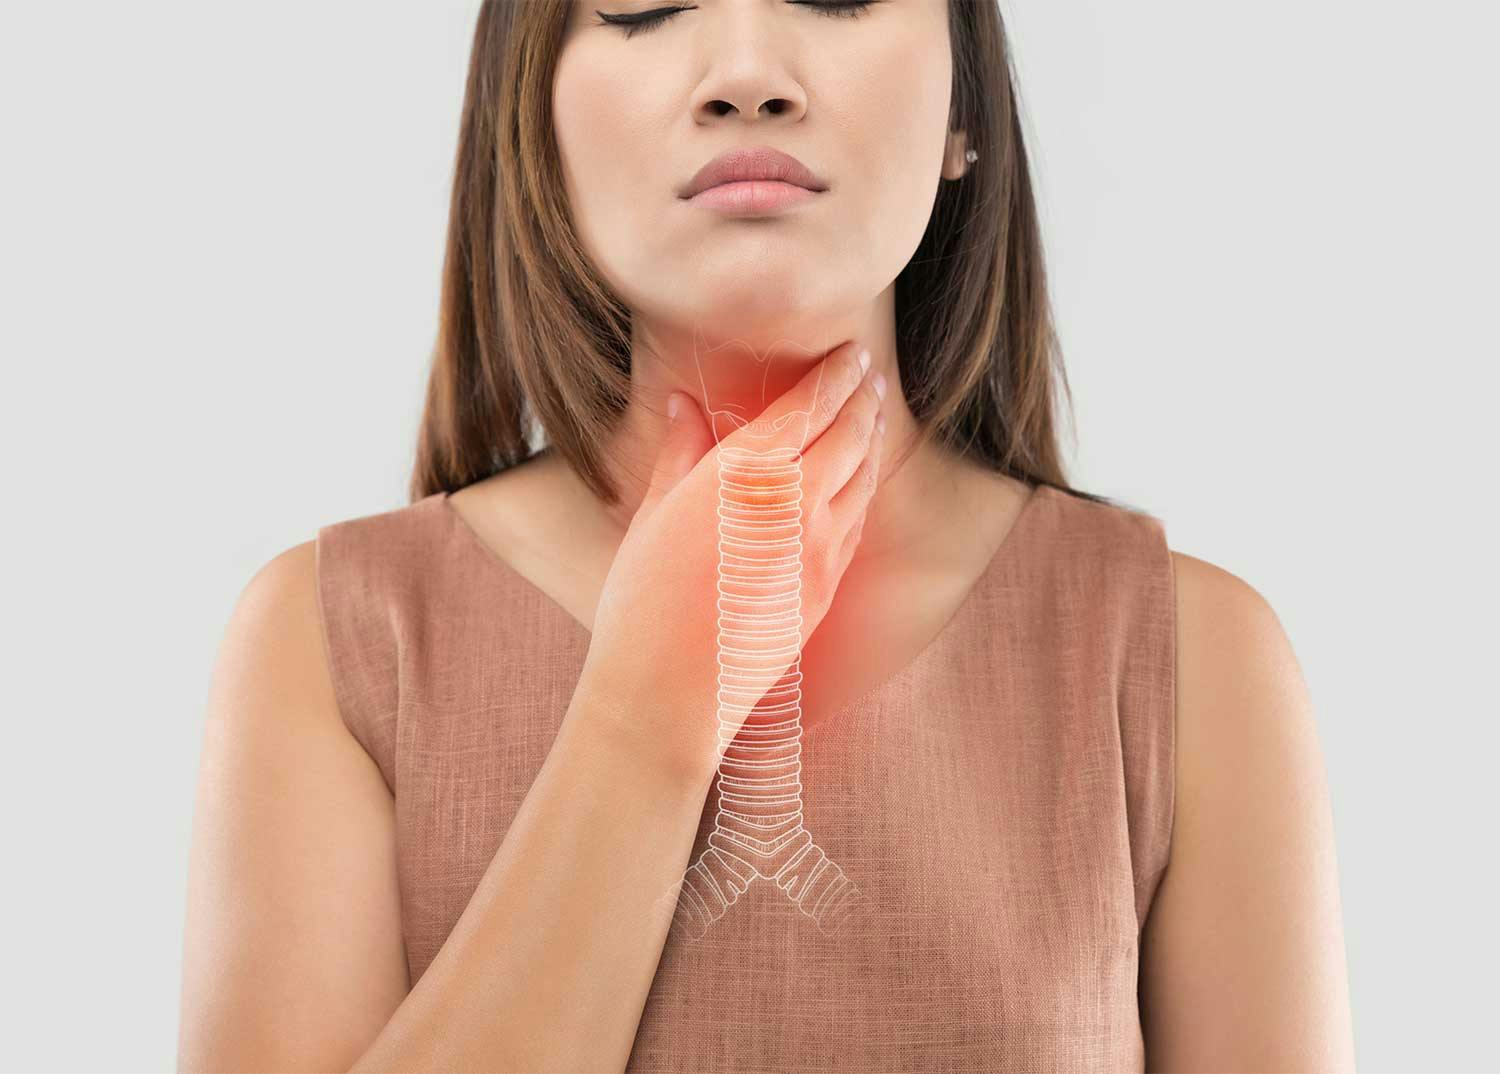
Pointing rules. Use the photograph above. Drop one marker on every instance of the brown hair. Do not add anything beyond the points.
(530, 333)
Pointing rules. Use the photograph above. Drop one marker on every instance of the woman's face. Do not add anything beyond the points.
(860, 96)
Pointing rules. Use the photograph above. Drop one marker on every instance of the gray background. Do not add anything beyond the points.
(1272, 235)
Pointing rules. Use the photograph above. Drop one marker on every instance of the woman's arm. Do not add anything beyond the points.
(1242, 964)
(294, 957)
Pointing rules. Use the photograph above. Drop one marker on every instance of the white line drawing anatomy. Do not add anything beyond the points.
(758, 830)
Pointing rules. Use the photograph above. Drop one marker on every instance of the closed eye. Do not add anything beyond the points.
(641, 21)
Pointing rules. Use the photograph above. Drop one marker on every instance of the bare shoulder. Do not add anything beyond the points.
(1211, 599)
(292, 951)
(1242, 961)
(279, 607)
(273, 647)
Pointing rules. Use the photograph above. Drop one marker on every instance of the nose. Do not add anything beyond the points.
(769, 106)
(752, 82)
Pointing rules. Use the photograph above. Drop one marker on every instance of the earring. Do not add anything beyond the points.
(971, 155)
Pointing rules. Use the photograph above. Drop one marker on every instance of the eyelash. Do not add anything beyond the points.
(642, 21)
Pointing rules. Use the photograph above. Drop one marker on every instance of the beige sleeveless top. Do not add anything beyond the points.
(1004, 799)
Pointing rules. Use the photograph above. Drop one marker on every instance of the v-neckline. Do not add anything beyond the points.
(982, 585)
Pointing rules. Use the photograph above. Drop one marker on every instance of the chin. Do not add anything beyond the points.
(763, 323)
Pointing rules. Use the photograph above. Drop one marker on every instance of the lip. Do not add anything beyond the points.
(751, 197)
(763, 166)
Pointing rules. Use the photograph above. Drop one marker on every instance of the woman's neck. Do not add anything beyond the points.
(923, 487)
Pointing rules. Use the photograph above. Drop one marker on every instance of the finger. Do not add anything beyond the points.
(848, 506)
(687, 440)
(828, 465)
(801, 414)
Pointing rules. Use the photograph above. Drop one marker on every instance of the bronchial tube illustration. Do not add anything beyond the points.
(759, 834)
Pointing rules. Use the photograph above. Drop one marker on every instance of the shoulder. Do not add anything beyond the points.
(1245, 723)
(1101, 534)
(270, 666)
(1108, 566)
(280, 603)
(1242, 960)
(1239, 683)
(369, 566)
(377, 578)
(382, 531)
(313, 640)
(291, 816)
(279, 615)
(1212, 599)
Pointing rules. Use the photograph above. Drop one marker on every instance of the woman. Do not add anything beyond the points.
(468, 759)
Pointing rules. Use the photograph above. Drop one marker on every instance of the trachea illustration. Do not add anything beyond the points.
(759, 833)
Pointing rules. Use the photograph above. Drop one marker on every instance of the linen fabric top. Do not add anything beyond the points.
(1004, 800)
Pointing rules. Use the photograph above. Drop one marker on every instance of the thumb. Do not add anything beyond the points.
(688, 439)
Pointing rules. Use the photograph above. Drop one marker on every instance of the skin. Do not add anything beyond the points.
(1242, 961)
(864, 103)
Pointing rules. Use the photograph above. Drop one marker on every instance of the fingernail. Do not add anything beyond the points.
(880, 423)
(674, 404)
(864, 359)
(880, 384)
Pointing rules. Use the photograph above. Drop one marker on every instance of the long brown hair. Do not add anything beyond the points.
(531, 338)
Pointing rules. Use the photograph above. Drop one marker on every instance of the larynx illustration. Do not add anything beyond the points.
(759, 834)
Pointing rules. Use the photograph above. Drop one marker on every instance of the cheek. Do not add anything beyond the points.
(602, 149)
(896, 122)
(582, 124)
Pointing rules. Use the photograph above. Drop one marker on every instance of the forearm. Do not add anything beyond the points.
(549, 966)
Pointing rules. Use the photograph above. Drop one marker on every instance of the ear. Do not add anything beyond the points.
(954, 164)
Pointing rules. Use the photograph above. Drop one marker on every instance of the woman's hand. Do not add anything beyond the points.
(653, 660)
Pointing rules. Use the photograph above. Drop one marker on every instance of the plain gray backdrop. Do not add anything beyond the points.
(1272, 237)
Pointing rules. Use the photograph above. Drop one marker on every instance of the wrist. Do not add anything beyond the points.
(659, 750)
